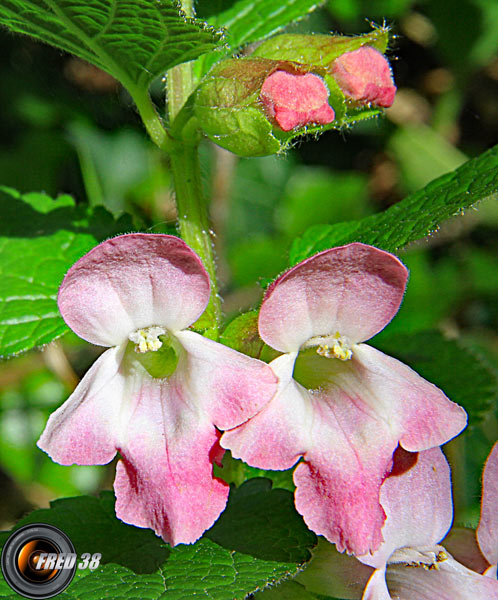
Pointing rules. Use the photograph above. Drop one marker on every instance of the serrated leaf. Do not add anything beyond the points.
(40, 238)
(414, 217)
(138, 565)
(133, 40)
(458, 369)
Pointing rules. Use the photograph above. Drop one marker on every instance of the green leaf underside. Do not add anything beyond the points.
(414, 217)
(40, 238)
(134, 40)
(138, 565)
(464, 376)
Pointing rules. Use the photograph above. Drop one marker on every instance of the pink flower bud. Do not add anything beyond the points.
(294, 100)
(364, 75)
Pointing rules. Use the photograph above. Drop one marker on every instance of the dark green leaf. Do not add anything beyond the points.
(40, 238)
(458, 369)
(134, 40)
(138, 565)
(413, 218)
(266, 523)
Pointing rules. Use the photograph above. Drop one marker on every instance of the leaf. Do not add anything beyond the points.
(267, 524)
(249, 21)
(137, 565)
(133, 40)
(414, 217)
(40, 238)
(457, 368)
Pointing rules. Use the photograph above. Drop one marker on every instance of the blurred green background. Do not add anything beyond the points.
(67, 127)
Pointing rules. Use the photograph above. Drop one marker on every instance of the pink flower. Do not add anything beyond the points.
(410, 564)
(419, 512)
(159, 393)
(364, 75)
(295, 100)
(341, 405)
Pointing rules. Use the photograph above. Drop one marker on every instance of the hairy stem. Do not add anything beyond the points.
(192, 206)
(194, 225)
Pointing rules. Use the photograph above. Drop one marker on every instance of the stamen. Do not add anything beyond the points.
(147, 339)
(333, 346)
(428, 559)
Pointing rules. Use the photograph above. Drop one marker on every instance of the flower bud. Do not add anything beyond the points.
(356, 64)
(255, 106)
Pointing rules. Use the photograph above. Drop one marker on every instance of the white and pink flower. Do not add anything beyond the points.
(411, 564)
(160, 394)
(342, 407)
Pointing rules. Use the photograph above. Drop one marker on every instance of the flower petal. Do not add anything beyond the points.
(133, 281)
(347, 453)
(487, 532)
(451, 581)
(165, 480)
(82, 430)
(418, 411)
(418, 506)
(376, 588)
(230, 386)
(354, 290)
(276, 437)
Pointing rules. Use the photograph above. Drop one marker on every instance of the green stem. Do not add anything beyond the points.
(194, 225)
(193, 220)
(151, 119)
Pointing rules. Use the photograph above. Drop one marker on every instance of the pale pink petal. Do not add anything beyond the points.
(364, 75)
(165, 479)
(487, 532)
(418, 411)
(354, 290)
(83, 429)
(418, 506)
(450, 581)
(376, 588)
(133, 281)
(276, 437)
(295, 99)
(491, 571)
(229, 386)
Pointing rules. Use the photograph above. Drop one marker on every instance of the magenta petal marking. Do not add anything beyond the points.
(229, 386)
(84, 428)
(487, 532)
(354, 290)
(133, 281)
(165, 479)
